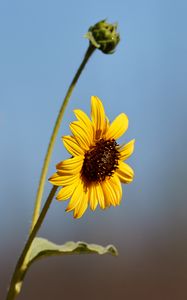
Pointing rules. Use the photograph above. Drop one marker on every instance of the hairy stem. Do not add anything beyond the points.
(39, 195)
(16, 282)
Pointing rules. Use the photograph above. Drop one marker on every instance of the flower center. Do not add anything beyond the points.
(100, 161)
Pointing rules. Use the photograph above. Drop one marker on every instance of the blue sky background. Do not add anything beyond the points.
(42, 45)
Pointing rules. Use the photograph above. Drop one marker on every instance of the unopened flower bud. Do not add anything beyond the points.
(103, 36)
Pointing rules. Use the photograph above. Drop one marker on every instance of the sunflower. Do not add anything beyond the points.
(94, 173)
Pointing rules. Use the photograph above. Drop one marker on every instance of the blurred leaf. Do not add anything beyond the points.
(44, 248)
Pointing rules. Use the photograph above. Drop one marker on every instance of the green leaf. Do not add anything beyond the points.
(44, 248)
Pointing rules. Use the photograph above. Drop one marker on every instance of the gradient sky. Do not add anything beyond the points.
(42, 45)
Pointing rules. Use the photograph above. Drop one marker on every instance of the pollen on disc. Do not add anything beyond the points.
(100, 161)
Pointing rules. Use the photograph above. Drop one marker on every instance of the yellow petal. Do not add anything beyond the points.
(80, 135)
(125, 172)
(70, 166)
(100, 195)
(98, 116)
(76, 197)
(59, 180)
(117, 188)
(107, 125)
(93, 197)
(83, 204)
(66, 192)
(118, 127)
(85, 122)
(72, 146)
(127, 150)
(109, 192)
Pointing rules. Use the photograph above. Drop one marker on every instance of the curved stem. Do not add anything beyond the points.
(39, 195)
(15, 284)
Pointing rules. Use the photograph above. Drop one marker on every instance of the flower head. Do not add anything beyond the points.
(94, 173)
(103, 36)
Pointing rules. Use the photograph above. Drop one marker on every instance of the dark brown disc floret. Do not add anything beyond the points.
(100, 161)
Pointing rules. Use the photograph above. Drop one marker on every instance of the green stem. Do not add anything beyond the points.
(15, 285)
(39, 195)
